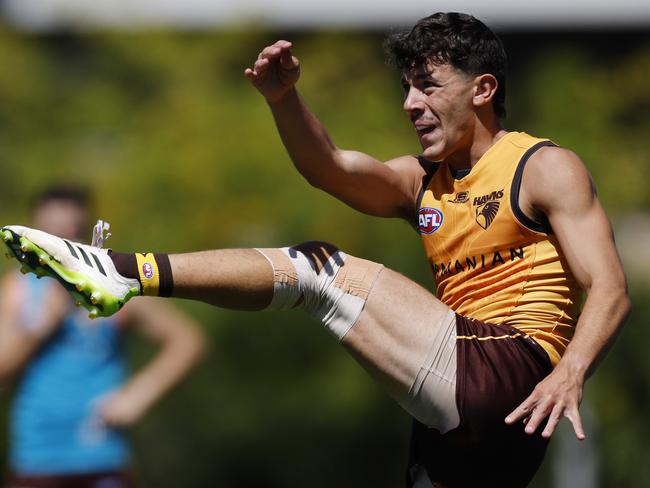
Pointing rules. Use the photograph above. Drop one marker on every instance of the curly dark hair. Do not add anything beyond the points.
(457, 39)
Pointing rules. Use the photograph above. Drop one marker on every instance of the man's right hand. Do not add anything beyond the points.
(275, 72)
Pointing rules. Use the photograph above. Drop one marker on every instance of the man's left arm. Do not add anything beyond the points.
(181, 344)
(557, 185)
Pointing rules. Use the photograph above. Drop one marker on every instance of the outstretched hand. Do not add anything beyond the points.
(558, 395)
(275, 71)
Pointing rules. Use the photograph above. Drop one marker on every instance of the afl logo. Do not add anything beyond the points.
(147, 271)
(429, 220)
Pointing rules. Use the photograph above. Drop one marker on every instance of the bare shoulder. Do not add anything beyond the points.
(553, 172)
(411, 165)
(413, 170)
(412, 173)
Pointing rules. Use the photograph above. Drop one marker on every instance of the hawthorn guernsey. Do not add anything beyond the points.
(490, 261)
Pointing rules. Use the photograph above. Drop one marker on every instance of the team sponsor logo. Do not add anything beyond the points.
(487, 207)
(147, 271)
(429, 220)
(460, 197)
(477, 262)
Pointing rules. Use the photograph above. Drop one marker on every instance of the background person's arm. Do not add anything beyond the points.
(557, 184)
(361, 181)
(21, 334)
(182, 344)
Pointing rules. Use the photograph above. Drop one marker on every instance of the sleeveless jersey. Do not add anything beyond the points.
(55, 428)
(490, 261)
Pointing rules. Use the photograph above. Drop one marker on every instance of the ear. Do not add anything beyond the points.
(485, 87)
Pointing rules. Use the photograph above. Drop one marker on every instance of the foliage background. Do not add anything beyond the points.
(183, 155)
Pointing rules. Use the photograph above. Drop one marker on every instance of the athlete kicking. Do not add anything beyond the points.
(512, 229)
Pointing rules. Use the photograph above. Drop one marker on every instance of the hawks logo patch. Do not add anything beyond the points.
(485, 214)
(487, 207)
(429, 220)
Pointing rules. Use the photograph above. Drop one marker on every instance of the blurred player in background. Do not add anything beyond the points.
(73, 395)
(513, 233)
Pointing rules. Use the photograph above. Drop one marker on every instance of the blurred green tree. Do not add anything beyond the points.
(183, 155)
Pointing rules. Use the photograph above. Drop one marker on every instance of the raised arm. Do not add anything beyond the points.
(361, 181)
(557, 184)
(181, 344)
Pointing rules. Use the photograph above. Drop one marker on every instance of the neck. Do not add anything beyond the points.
(481, 139)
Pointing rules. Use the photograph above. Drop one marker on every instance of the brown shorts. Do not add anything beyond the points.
(498, 367)
(108, 479)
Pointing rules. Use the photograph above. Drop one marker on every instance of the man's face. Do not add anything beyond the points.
(438, 100)
(62, 218)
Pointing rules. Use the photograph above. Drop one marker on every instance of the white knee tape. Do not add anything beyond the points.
(323, 294)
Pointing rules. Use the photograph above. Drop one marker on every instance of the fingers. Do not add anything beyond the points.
(521, 412)
(288, 61)
(258, 69)
(553, 420)
(115, 415)
(278, 51)
(261, 65)
(533, 416)
(570, 413)
(108, 419)
(105, 412)
(576, 421)
(537, 416)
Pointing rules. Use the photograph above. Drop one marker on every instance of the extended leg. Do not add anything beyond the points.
(397, 330)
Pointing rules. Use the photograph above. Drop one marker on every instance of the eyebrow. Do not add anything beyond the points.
(420, 77)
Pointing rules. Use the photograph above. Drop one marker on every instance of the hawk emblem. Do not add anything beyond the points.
(486, 213)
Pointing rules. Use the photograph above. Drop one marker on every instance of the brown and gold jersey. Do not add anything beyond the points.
(490, 261)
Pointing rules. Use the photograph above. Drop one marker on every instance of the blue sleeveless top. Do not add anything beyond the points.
(54, 423)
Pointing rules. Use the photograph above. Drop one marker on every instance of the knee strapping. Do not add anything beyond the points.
(323, 281)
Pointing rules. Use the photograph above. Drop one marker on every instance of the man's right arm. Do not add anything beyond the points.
(366, 184)
(20, 337)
